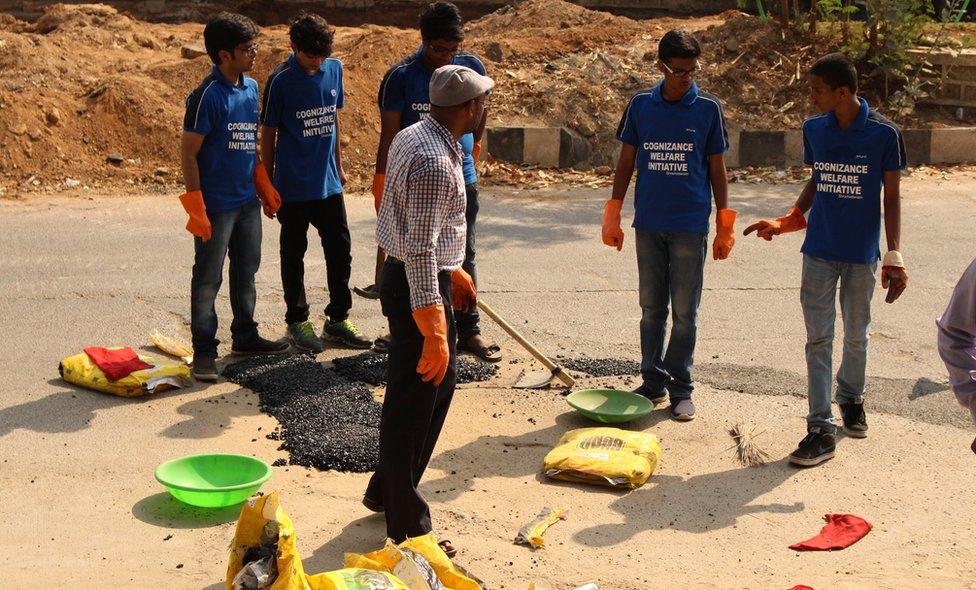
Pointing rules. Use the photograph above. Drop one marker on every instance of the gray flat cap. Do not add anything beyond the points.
(454, 85)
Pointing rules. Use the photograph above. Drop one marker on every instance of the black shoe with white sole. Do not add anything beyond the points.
(855, 421)
(261, 346)
(205, 369)
(815, 448)
(655, 397)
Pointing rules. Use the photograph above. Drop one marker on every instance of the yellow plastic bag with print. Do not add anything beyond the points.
(450, 575)
(604, 456)
(164, 374)
(356, 579)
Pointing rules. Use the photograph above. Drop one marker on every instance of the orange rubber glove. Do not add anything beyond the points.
(476, 150)
(199, 224)
(724, 233)
(613, 236)
(894, 277)
(266, 191)
(767, 228)
(432, 323)
(464, 296)
(379, 179)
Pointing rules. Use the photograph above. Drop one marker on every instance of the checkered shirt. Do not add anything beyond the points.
(421, 219)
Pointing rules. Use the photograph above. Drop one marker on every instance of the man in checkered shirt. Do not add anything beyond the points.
(422, 229)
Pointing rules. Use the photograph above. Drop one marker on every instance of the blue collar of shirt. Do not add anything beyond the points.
(446, 134)
(419, 57)
(687, 100)
(859, 123)
(219, 76)
(293, 63)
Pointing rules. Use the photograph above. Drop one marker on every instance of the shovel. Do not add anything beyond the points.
(534, 379)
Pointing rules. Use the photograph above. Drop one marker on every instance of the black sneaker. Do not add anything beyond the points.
(345, 333)
(261, 346)
(815, 448)
(205, 369)
(855, 421)
(655, 397)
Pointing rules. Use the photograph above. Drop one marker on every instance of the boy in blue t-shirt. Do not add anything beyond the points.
(299, 141)
(403, 100)
(675, 136)
(853, 151)
(221, 175)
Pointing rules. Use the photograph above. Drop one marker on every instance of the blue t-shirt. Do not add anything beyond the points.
(227, 116)
(673, 141)
(406, 90)
(844, 224)
(303, 108)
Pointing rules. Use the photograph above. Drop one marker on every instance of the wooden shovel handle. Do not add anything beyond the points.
(556, 370)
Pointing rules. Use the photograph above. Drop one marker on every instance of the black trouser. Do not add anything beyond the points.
(328, 216)
(467, 321)
(413, 410)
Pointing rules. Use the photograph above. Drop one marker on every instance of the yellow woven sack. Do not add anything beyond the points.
(164, 374)
(604, 456)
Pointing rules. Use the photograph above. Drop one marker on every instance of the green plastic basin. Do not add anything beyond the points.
(610, 406)
(213, 480)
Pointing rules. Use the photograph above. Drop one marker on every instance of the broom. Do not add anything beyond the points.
(746, 450)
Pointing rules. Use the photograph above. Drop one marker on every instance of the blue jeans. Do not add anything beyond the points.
(467, 321)
(818, 292)
(237, 236)
(670, 267)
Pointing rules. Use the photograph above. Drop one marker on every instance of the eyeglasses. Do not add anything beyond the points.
(680, 73)
(441, 50)
(250, 49)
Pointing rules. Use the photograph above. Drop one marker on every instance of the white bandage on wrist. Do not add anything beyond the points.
(893, 258)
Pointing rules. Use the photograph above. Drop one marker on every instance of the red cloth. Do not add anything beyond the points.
(116, 364)
(842, 530)
(801, 587)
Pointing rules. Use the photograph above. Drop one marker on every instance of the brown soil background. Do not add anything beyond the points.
(83, 82)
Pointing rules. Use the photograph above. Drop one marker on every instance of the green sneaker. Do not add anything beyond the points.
(302, 335)
(345, 332)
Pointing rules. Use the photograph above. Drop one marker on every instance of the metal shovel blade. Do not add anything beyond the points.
(533, 380)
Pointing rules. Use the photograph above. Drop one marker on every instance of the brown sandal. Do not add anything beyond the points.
(449, 549)
(491, 353)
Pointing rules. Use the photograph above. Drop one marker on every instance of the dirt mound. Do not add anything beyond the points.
(86, 81)
(537, 29)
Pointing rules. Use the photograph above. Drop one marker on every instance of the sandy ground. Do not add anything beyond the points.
(82, 509)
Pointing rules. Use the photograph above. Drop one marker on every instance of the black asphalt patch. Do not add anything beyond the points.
(329, 419)
(370, 367)
(599, 367)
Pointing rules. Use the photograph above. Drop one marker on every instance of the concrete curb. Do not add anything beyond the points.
(558, 147)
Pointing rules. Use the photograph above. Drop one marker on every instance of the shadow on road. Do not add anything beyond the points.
(165, 511)
(697, 504)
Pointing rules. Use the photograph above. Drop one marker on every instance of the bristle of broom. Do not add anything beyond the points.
(747, 451)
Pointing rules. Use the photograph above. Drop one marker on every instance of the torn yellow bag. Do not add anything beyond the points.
(531, 533)
(604, 456)
(263, 527)
(164, 374)
(450, 575)
(264, 555)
